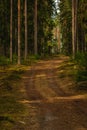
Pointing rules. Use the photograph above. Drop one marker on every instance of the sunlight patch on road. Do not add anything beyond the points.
(30, 101)
(80, 128)
(40, 75)
(84, 96)
(25, 77)
(55, 99)
(43, 88)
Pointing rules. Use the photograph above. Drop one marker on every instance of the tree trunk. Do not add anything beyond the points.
(35, 28)
(19, 32)
(25, 29)
(59, 41)
(11, 31)
(74, 26)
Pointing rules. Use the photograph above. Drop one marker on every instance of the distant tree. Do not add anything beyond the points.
(11, 5)
(19, 12)
(74, 26)
(65, 15)
(26, 29)
(10, 19)
(35, 27)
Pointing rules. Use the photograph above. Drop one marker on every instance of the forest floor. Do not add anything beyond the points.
(51, 100)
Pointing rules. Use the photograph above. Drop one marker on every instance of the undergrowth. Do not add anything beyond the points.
(81, 61)
(77, 70)
(11, 109)
(81, 72)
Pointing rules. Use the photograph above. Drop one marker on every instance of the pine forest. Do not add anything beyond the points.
(43, 64)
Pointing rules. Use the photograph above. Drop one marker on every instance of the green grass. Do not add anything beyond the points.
(81, 75)
(76, 72)
(67, 68)
(11, 110)
(30, 60)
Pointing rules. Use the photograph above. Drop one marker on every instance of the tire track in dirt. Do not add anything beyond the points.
(53, 80)
(50, 107)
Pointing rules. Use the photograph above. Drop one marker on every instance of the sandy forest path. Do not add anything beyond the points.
(50, 105)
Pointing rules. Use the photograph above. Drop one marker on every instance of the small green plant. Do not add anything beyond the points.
(11, 110)
(30, 59)
(81, 75)
(14, 59)
(81, 59)
(4, 61)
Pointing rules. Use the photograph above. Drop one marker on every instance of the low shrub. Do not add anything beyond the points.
(4, 61)
(81, 60)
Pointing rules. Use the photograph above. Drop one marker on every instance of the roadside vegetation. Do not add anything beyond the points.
(76, 69)
(11, 111)
(81, 75)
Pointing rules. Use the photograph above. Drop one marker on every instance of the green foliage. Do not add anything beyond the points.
(81, 59)
(31, 59)
(7, 80)
(11, 109)
(81, 75)
(66, 24)
(34, 57)
(14, 76)
(4, 61)
(14, 61)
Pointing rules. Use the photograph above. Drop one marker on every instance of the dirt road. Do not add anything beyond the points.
(50, 105)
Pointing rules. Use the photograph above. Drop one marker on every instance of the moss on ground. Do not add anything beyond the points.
(79, 76)
(11, 110)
